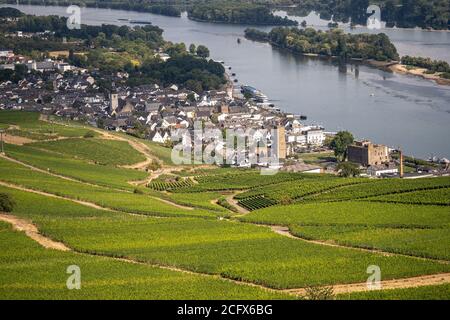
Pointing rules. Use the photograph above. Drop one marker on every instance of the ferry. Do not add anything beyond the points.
(140, 22)
(255, 93)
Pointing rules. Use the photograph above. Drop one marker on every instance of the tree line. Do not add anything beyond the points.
(434, 14)
(236, 13)
(135, 5)
(110, 48)
(432, 66)
(329, 43)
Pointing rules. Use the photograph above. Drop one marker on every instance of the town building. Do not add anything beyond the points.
(386, 169)
(368, 154)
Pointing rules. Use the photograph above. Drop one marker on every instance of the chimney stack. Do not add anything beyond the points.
(401, 164)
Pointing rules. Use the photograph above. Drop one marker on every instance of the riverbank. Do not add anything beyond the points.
(419, 72)
(390, 65)
(239, 23)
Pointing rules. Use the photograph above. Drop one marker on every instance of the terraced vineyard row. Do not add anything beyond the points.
(244, 179)
(161, 185)
(381, 188)
(439, 196)
(287, 192)
(257, 202)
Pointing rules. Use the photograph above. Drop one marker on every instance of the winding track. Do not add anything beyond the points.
(284, 231)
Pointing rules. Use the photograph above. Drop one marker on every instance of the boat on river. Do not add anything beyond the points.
(256, 95)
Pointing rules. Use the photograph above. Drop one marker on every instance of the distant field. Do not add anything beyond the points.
(170, 184)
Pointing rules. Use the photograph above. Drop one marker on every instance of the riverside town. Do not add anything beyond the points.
(225, 150)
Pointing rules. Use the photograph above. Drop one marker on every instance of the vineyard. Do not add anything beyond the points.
(100, 151)
(380, 188)
(439, 196)
(109, 176)
(27, 124)
(244, 179)
(185, 237)
(288, 192)
(256, 202)
(204, 200)
(418, 230)
(163, 185)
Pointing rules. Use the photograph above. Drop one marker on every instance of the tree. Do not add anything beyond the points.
(348, 169)
(202, 51)
(191, 97)
(21, 70)
(192, 49)
(6, 202)
(340, 143)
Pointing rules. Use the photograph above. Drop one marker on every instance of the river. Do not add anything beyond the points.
(397, 110)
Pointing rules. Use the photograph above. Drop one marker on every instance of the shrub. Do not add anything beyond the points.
(222, 201)
(319, 293)
(89, 134)
(6, 202)
(155, 165)
(348, 169)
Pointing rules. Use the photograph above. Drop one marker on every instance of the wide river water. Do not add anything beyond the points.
(397, 110)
